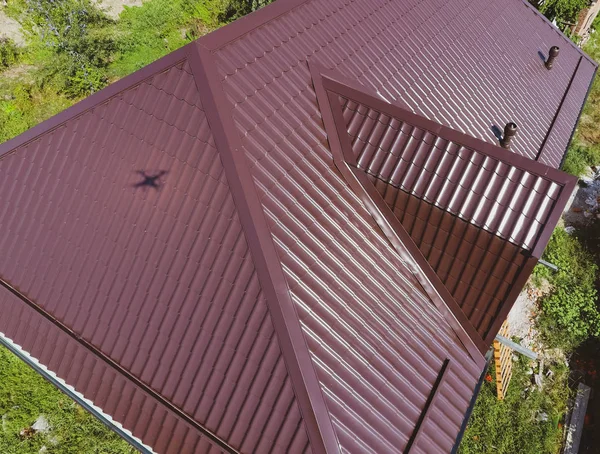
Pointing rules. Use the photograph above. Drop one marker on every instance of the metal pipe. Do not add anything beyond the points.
(510, 130)
(548, 265)
(554, 50)
(516, 347)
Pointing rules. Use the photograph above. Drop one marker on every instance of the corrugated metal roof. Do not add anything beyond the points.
(469, 65)
(160, 280)
(476, 212)
(182, 248)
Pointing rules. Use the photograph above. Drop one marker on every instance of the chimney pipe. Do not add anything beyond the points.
(510, 130)
(551, 57)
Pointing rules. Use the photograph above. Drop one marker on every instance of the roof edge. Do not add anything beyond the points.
(244, 25)
(392, 228)
(286, 322)
(71, 392)
(94, 100)
(558, 111)
(214, 439)
(557, 30)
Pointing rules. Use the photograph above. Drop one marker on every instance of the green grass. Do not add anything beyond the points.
(569, 312)
(585, 149)
(581, 156)
(514, 425)
(27, 106)
(25, 395)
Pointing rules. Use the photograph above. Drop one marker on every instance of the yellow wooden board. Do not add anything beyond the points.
(503, 360)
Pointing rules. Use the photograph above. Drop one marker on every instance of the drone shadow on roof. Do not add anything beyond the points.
(150, 180)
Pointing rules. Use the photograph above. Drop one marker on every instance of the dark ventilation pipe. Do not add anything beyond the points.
(510, 130)
(552, 56)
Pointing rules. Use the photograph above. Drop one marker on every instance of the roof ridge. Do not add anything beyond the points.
(216, 440)
(286, 322)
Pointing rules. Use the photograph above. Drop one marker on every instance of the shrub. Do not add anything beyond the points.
(29, 106)
(238, 8)
(9, 53)
(150, 31)
(562, 10)
(71, 42)
(569, 312)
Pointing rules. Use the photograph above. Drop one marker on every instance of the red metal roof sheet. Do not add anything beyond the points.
(159, 280)
(479, 215)
(187, 236)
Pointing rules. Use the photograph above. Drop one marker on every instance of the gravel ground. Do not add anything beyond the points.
(586, 204)
(520, 318)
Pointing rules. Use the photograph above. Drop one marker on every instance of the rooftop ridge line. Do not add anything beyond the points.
(286, 322)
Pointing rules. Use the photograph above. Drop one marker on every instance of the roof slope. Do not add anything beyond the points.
(188, 234)
(479, 214)
(159, 282)
(468, 65)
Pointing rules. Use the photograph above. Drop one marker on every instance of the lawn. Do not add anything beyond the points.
(25, 396)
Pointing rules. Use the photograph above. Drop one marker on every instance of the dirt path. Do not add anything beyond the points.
(114, 7)
(9, 28)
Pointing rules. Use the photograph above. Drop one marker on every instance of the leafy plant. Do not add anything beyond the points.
(72, 41)
(28, 106)
(570, 311)
(238, 8)
(563, 11)
(150, 31)
(9, 53)
(526, 421)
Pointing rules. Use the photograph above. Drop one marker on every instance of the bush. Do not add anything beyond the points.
(235, 9)
(71, 43)
(562, 10)
(9, 53)
(588, 132)
(525, 422)
(29, 106)
(569, 312)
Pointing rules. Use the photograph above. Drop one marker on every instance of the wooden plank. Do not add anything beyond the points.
(503, 363)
